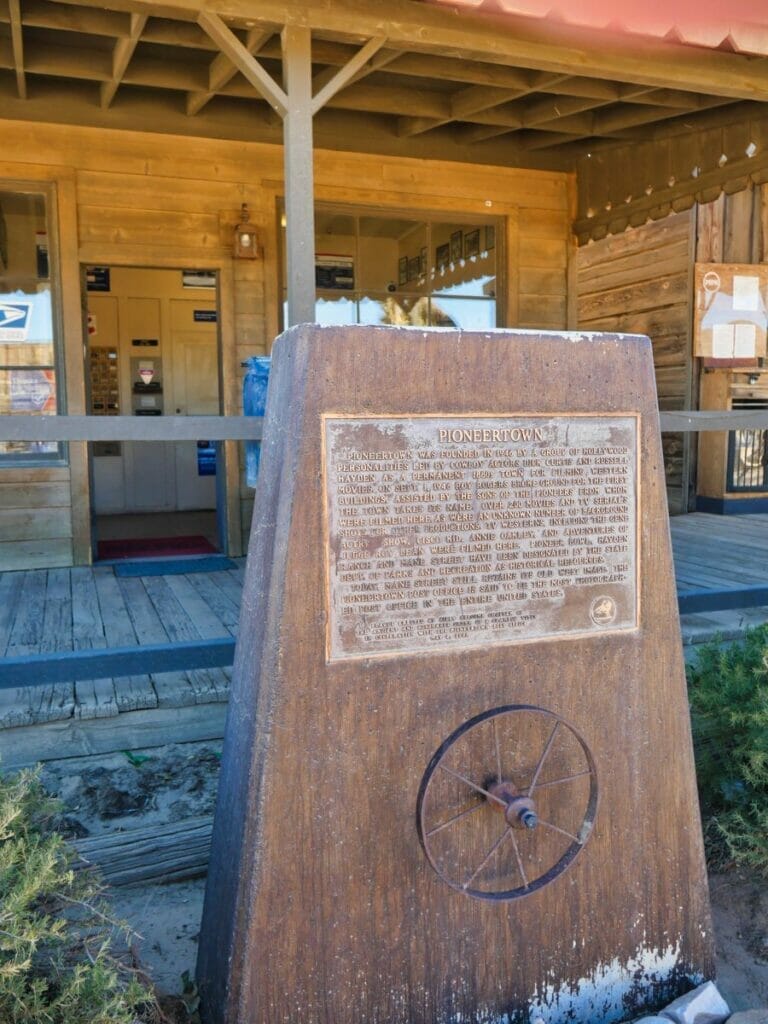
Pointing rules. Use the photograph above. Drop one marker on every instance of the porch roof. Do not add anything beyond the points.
(486, 81)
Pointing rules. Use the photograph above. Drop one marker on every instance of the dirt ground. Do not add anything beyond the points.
(118, 792)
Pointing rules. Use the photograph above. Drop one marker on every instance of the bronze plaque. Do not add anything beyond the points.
(475, 530)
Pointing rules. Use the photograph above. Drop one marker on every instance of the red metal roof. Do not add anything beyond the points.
(738, 25)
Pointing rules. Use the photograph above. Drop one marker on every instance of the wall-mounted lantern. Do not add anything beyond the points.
(246, 240)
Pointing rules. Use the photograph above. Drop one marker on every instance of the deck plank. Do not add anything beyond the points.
(94, 698)
(57, 636)
(173, 689)
(222, 605)
(208, 684)
(132, 692)
(32, 704)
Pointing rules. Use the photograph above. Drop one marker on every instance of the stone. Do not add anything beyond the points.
(703, 1005)
(459, 628)
(749, 1017)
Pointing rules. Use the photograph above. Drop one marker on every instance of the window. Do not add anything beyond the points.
(392, 270)
(29, 378)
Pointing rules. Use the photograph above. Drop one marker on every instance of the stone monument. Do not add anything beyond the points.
(457, 781)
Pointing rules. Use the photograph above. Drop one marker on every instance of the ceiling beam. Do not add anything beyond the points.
(643, 125)
(466, 104)
(221, 70)
(345, 75)
(43, 14)
(245, 62)
(535, 43)
(17, 42)
(121, 56)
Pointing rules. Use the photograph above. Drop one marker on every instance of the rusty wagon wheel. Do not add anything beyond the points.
(507, 802)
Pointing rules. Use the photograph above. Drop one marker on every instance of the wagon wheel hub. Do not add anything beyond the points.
(518, 809)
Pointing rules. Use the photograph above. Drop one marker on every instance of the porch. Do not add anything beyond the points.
(720, 564)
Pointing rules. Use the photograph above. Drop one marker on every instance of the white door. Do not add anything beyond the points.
(196, 393)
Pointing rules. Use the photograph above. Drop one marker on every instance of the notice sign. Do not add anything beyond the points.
(468, 531)
(731, 319)
(33, 391)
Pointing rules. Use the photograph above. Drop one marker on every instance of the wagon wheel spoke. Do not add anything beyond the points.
(472, 785)
(456, 817)
(566, 778)
(519, 860)
(498, 752)
(487, 857)
(556, 828)
(542, 759)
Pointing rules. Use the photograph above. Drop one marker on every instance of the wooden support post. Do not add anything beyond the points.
(299, 175)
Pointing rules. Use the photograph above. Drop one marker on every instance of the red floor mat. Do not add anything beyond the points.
(154, 547)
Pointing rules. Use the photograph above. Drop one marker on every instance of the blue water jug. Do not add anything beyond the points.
(254, 403)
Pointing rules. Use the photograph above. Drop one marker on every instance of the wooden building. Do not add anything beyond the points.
(406, 163)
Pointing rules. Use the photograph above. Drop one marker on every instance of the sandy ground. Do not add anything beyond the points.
(118, 792)
(168, 919)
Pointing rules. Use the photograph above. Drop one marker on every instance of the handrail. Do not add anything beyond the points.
(249, 428)
(683, 421)
(130, 428)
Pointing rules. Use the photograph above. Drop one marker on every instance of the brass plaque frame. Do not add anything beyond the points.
(425, 554)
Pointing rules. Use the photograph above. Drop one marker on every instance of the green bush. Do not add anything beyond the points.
(55, 960)
(728, 691)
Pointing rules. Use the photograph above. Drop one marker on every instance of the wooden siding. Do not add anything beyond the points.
(144, 199)
(639, 283)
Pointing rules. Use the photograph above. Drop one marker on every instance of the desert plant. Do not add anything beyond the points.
(728, 690)
(55, 960)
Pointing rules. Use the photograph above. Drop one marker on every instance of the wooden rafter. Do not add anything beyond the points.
(533, 43)
(17, 43)
(121, 56)
(222, 70)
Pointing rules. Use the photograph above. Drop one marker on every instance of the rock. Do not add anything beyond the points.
(703, 1005)
(651, 1020)
(749, 1017)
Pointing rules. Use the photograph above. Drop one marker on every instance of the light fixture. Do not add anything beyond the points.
(246, 239)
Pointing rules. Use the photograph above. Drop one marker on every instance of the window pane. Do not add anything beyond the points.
(465, 314)
(335, 310)
(465, 260)
(28, 353)
(395, 310)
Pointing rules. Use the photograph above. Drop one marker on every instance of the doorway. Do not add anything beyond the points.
(153, 350)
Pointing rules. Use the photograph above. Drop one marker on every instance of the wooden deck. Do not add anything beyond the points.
(86, 608)
(719, 552)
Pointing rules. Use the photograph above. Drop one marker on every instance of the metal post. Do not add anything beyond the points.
(299, 174)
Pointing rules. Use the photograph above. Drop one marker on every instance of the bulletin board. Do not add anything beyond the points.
(731, 313)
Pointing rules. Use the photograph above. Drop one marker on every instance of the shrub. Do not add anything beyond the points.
(55, 961)
(728, 690)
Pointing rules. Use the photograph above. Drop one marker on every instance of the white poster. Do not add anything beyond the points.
(746, 292)
(722, 341)
(745, 341)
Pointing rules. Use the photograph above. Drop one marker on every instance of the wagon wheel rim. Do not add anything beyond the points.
(494, 791)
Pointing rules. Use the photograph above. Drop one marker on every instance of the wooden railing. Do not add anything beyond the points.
(45, 669)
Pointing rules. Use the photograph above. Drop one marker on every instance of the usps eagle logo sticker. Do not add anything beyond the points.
(15, 318)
